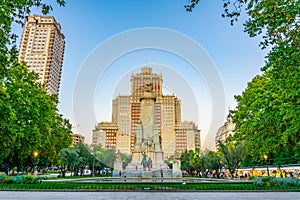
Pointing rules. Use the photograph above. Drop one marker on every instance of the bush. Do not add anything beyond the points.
(42, 177)
(288, 182)
(36, 180)
(269, 181)
(28, 179)
(10, 180)
(258, 182)
(18, 179)
(25, 179)
(273, 181)
(2, 177)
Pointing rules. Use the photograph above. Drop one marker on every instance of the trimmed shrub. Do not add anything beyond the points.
(21, 179)
(18, 179)
(10, 180)
(28, 179)
(288, 182)
(273, 181)
(2, 177)
(258, 182)
(42, 177)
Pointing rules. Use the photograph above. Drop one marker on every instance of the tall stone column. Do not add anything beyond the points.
(147, 119)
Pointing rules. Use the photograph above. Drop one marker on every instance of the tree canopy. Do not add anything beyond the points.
(268, 111)
(232, 155)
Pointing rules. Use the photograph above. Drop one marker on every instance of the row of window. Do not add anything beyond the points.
(181, 145)
(46, 20)
(111, 138)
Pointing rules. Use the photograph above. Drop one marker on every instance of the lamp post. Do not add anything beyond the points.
(93, 174)
(202, 164)
(266, 158)
(35, 154)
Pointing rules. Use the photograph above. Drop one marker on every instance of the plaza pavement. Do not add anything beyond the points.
(9, 195)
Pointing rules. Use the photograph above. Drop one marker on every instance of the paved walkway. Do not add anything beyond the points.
(8, 195)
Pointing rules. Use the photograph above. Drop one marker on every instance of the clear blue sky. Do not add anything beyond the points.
(87, 24)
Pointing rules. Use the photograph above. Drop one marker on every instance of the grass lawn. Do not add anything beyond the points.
(72, 186)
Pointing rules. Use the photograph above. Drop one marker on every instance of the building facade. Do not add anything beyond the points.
(105, 134)
(77, 138)
(187, 136)
(225, 131)
(126, 114)
(42, 48)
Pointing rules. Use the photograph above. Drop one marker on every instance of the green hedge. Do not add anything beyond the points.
(72, 186)
(273, 181)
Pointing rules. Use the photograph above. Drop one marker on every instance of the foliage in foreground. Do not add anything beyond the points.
(273, 181)
(268, 111)
(232, 155)
(76, 159)
(21, 179)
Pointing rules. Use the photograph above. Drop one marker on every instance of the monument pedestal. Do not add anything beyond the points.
(135, 167)
(165, 173)
(176, 169)
(156, 157)
(117, 168)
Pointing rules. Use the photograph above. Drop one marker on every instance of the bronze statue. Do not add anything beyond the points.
(144, 161)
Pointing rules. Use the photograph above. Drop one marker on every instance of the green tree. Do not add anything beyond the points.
(232, 154)
(29, 116)
(104, 157)
(267, 117)
(70, 159)
(213, 162)
(126, 160)
(185, 160)
(108, 158)
(85, 157)
(197, 161)
(268, 111)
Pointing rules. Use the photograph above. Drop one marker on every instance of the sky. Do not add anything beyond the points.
(95, 72)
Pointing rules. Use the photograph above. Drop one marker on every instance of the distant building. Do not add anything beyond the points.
(77, 138)
(225, 131)
(187, 136)
(121, 117)
(105, 134)
(126, 115)
(42, 48)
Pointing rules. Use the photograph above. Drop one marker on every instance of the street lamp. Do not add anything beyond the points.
(93, 174)
(35, 154)
(201, 157)
(266, 158)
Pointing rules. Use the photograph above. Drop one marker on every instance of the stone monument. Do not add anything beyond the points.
(147, 157)
(118, 163)
(176, 166)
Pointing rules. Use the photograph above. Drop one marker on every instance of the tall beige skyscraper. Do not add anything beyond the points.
(42, 48)
(126, 114)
